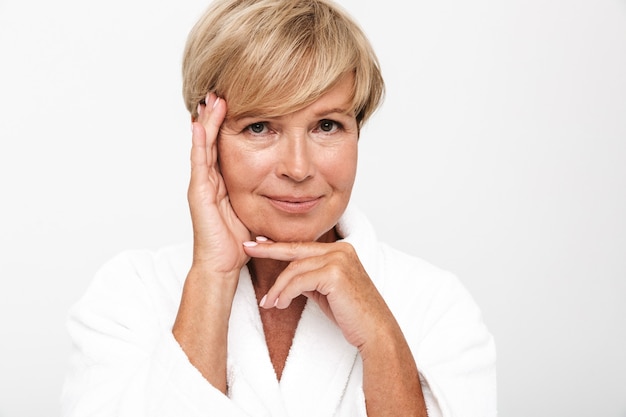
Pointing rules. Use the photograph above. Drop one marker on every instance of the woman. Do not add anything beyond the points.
(286, 305)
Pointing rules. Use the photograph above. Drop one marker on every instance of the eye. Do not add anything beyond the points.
(257, 128)
(328, 126)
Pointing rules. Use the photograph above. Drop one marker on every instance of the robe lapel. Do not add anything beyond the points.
(318, 366)
(251, 378)
(316, 372)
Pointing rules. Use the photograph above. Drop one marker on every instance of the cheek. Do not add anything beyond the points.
(340, 167)
(231, 166)
(241, 169)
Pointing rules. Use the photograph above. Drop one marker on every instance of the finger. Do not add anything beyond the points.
(211, 117)
(292, 251)
(199, 168)
(304, 282)
(205, 128)
(205, 107)
(299, 277)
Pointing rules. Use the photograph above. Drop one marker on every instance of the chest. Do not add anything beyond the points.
(280, 327)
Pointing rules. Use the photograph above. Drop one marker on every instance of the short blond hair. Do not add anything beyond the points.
(277, 56)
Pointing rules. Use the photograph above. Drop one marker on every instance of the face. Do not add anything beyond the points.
(289, 178)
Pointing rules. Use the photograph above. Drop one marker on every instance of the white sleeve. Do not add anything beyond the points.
(125, 361)
(456, 356)
(453, 350)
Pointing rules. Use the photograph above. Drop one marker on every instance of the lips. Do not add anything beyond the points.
(294, 205)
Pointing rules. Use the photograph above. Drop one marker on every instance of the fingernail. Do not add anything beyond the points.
(261, 239)
(217, 100)
(262, 303)
(250, 244)
(276, 302)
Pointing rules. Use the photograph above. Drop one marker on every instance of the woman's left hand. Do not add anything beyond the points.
(332, 275)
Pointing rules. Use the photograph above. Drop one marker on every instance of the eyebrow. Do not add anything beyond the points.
(338, 110)
(324, 112)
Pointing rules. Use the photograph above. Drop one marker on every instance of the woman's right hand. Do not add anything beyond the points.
(201, 326)
(218, 232)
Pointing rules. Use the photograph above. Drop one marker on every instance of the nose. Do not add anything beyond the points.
(295, 159)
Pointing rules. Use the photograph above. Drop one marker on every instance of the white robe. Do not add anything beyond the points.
(125, 361)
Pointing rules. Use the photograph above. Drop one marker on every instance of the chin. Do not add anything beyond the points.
(295, 233)
(280, 226)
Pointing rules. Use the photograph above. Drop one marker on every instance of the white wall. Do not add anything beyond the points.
(499, 154)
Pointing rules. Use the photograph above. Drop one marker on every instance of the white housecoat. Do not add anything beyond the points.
(126, 362)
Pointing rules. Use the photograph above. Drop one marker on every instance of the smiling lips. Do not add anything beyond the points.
(294, 205)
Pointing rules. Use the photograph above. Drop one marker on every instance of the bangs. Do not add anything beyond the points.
(279, 70)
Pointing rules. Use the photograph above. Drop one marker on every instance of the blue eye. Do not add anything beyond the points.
(257, 128)
(328, 126)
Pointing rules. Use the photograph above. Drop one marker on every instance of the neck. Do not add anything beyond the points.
(264, 273)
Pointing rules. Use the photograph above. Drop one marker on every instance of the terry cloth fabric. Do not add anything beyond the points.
(125, 361)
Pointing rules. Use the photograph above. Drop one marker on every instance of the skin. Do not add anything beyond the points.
(288, 180)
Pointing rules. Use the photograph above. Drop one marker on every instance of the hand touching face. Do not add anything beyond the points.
(217, 230)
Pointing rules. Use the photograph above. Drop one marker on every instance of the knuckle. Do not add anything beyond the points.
(293, 266)
(296, 281)
(335, 271)
(293, 250)
(340, 258)
(346, 247)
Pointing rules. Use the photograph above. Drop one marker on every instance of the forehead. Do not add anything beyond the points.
(338, 99)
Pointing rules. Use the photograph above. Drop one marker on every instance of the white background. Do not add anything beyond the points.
(499, 154)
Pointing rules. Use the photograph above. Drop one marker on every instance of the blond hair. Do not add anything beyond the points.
(273, 57)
